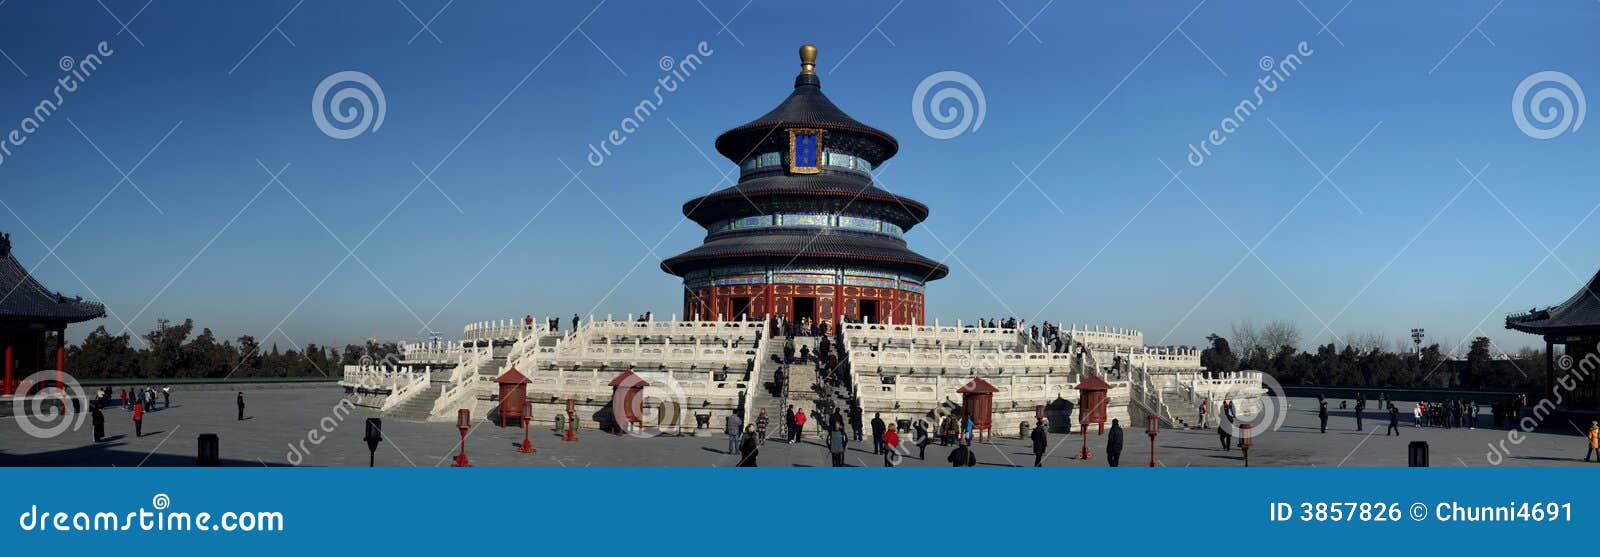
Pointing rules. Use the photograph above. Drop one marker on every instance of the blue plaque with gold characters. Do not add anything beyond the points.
(805, 151)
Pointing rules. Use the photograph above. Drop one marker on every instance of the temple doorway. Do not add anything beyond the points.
(805, 308)
(869, 311)
(741, 308)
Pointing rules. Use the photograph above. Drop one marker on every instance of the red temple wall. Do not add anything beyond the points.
(832, 302)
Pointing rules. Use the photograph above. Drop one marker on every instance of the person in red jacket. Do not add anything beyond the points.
(138, 420)
(891, 445)
(799, 426)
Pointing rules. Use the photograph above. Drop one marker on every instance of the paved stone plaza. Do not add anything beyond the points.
(280, 417)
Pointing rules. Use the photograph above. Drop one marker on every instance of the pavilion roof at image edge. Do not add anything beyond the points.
(1580, 313)
(26, 298)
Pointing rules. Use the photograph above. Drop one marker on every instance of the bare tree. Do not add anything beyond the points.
(1279, 334)
(1245, 339)
(1368, 342)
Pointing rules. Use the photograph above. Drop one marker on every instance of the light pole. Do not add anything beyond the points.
(1152, 427)
(463, 423)
(527, 420)
(1416, 337)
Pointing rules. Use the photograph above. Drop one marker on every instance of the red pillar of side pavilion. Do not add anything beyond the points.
(61, 365)
(9, 387)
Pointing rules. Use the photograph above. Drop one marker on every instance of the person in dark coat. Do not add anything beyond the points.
(855, 421)
(749, 448)
(922, 439)
(99, 421)
(1361, 405)
(241, 406)
(1322, 415)
(1114, 444)
(1394, 421)
(962, 456)
(1040, 443)
(1225, 436)
(878, 427)
(790, 431)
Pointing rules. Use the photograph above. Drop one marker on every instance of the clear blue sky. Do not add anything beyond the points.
(498, 96)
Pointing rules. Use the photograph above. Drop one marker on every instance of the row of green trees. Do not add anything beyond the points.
(173, 351)
(1366, 361)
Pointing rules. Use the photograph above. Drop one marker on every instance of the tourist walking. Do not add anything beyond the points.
(855, 421)
(922, 440)
(1361, 404)
(891, 446)
(1594, 442)
(761, 427)
(241, 406)
(98, 419)
(1040, 442)
(1416, 415)
(1322, 415)
(734, 427)
(574, 322)
(1225, 436)
(799, 426)
(748, 449)
(1394, 421)
(1114, 444)
(138, 421)
(878, 429)
(836, 443)
(166, 397)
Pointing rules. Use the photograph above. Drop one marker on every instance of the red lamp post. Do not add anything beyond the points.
(1245, 443)
(527, 420)
(463, 423)
(572, 416)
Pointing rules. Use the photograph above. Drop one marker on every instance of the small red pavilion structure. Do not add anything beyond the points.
(627, 399)
(977, 399)
(1092, 401)
(513, 395)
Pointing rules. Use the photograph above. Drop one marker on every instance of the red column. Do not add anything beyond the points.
(8, 386)
(61, 359)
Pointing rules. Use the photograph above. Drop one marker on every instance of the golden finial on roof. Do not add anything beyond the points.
(808, 60)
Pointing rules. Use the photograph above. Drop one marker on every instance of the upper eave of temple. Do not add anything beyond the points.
(827, 192)
(806, 107)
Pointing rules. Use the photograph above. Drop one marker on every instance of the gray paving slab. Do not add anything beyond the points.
(301, 427)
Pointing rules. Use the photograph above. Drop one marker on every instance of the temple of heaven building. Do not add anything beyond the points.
(805, 234)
